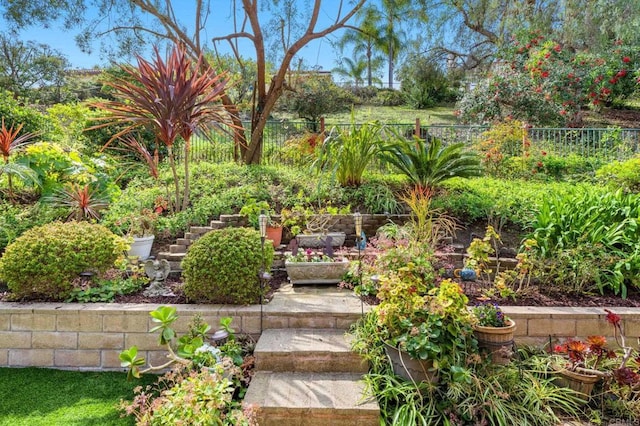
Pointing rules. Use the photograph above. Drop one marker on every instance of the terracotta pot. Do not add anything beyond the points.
(497, 341)
(274, 233)
(416, 370)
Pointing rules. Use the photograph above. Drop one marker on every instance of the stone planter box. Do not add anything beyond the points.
(317, 240)
(316, 272)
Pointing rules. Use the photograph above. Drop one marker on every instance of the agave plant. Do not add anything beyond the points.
(10, 142)
(427, 164)
(174, 98)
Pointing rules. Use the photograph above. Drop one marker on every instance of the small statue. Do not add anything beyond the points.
(157, 271)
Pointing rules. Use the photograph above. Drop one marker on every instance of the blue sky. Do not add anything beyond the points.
(318, 53)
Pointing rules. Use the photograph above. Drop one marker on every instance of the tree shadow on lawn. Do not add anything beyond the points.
(38, 396)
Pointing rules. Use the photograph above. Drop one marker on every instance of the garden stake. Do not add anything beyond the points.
(357, 218)
(262, 220)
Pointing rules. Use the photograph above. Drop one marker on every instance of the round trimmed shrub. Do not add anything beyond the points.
(223, 266)
(45, 260)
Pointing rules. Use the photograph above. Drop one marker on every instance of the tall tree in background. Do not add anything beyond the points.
(352, 70)
(131, 23)
(470, 33)
(363, 39)
(31, 70)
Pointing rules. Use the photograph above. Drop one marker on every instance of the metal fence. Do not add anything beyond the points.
(606, 144)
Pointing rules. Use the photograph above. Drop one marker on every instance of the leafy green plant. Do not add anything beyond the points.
(252, 209)
(427, 323)
(197, 397)
(482, 393)
(588, 241)
(621, 174)
(203, 386)
(105, 291)
(223, 266)
(44, 261)
(427, 164)
(348, 152)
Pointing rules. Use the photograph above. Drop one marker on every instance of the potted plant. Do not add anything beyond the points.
(311, 227)
(140, 227)
(314, 267)
(252, 209)
(494, 331)
(427, 329)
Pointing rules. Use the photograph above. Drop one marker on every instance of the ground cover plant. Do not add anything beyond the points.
(38, 396)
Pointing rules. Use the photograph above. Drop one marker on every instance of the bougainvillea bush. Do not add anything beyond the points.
(543, 82)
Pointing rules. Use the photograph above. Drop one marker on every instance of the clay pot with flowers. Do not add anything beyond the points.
(494, 331)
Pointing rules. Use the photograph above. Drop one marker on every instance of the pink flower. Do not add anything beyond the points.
(626, 59)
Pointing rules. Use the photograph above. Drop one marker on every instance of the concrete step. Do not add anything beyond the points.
(177, 248)
(307, 350)
(217, 224)
(183, 241)
(200, 230)
(171, 257)
(311, 399)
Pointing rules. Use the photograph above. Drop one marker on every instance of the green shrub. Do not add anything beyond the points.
(621, 174)
(16, 219)
(45, 260)
(514, 201)
(223, 267)
(389, 97)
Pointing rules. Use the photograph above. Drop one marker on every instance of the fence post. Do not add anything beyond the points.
(416, 131)
(321, 124)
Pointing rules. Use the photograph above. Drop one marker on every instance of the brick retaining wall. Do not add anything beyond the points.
(90, 337)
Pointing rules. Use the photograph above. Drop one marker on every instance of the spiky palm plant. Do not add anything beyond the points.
(427, 164)
(173, 98)
(10, 143)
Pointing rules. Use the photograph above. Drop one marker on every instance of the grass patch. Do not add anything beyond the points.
(397, 114)
(38, 396)
(387, 114)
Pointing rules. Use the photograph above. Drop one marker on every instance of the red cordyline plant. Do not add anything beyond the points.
(84, 201)
(10, 142)
(173, 98)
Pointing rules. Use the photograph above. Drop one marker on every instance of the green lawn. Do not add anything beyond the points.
(37, 396)
(399, 114)
(387, 114)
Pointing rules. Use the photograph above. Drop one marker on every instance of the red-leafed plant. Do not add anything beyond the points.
(84, 201)
(10, 142)
(593, 357)
(173, 98)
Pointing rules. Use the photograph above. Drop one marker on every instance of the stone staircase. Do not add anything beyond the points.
(178, 251)
(309, 376)
(305, 371)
